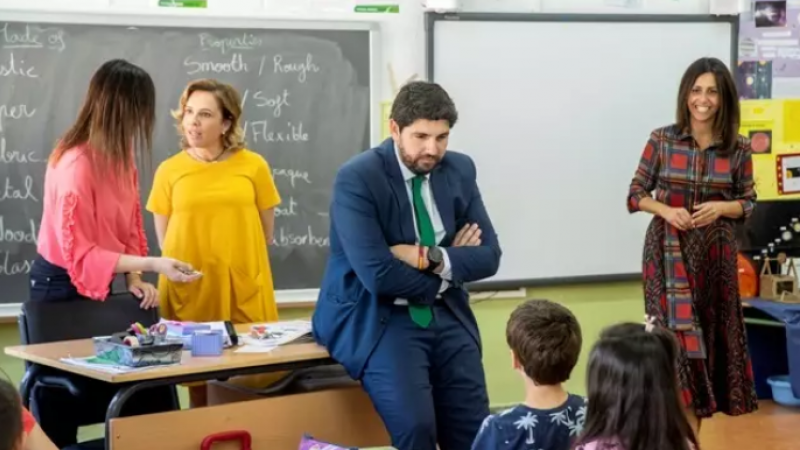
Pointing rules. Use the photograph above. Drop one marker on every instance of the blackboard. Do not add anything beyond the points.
(307, 92)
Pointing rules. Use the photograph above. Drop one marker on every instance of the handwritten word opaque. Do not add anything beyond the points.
(31, 36)
(292, 175)
(15, 112)
(10, 67)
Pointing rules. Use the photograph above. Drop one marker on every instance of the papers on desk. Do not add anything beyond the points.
(266, 337)
(106, 365)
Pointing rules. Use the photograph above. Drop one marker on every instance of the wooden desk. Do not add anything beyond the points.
(50, 355)
(230, 364)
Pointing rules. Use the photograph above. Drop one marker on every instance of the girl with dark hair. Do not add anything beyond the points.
(700, 173)
(91, 225)
(633, 393)
(18, 428)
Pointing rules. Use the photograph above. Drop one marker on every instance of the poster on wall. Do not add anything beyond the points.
(769, 50)
(771, 127)
(788, 173)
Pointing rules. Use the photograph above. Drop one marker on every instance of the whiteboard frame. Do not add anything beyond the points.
(158, 18)
(432, 18)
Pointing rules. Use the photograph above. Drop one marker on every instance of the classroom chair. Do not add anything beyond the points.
(59, 400)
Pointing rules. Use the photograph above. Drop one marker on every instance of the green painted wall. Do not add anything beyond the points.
(595, 305)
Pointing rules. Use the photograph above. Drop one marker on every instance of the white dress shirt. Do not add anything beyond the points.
(436, 220)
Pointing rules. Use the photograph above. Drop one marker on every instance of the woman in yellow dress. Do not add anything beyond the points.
(213, 205)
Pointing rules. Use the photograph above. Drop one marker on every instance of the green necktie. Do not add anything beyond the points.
(421, 314)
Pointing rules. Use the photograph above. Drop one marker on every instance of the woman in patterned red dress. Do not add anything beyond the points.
(702, 174)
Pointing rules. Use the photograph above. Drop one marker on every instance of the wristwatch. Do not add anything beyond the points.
(435, 257)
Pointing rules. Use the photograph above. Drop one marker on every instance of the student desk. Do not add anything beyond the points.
(136, 432)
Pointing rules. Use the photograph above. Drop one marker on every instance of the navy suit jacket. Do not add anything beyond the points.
(370, 212)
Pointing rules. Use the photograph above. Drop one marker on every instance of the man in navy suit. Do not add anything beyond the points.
(408, 229)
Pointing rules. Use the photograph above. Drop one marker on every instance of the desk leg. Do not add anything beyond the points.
(118, 402)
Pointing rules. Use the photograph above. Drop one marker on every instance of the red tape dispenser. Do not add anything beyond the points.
(244, 438)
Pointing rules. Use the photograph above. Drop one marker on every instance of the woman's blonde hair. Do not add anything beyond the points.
(229, 103)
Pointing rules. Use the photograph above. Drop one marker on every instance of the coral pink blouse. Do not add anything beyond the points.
(88, 221)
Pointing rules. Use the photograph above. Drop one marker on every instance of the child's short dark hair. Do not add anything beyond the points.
(546, 339)
(10, 416)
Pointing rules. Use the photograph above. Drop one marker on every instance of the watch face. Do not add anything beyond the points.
(435, 254)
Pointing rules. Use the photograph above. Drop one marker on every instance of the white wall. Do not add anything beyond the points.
(402, 35)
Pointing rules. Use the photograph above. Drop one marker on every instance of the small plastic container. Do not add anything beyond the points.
(185, 331)
(782, 391)
(207, 343)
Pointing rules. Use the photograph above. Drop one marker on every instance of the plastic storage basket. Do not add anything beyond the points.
(168, 352)
(782, 391)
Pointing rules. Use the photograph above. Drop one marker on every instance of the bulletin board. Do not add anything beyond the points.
(768, 80)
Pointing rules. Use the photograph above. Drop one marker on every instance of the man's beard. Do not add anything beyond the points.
(413, 165)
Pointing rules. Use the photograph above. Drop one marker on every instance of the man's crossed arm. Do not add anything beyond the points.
(395, 271)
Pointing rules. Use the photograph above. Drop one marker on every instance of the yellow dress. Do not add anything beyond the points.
(214, 224)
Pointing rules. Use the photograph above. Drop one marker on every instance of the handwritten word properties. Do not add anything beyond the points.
(32, 36)
(246, 41)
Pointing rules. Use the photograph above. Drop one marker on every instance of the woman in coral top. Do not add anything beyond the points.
(213, 207)
(91, 224)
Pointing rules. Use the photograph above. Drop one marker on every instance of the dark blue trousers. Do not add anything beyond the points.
(427, 384)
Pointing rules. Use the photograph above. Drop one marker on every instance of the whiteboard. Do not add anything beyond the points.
(555, 113)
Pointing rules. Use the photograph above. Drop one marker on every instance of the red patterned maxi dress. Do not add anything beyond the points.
(690, 277)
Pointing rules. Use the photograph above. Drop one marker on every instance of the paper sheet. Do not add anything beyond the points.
(278, 333)
(104, 365)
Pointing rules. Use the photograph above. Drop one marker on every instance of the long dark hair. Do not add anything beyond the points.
(116, 119)
(633, 393)
(728, 117)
